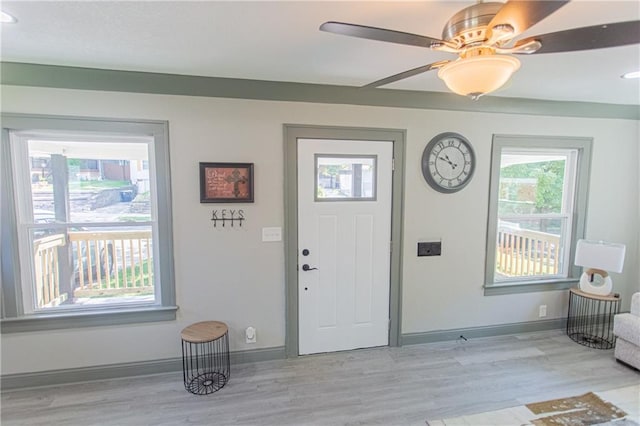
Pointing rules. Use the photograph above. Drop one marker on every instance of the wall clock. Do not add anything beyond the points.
(448, 162)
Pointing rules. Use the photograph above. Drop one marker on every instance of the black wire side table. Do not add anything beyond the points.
(590, 318)
(205, 357)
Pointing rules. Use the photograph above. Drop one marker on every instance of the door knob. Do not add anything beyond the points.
(306, 267)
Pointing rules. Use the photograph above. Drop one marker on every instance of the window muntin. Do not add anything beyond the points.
(345, 177)
(537, 211)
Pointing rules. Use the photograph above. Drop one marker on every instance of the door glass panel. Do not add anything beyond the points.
(345, 177)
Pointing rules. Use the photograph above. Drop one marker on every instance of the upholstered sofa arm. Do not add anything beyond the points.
(627, 327)
(635, 304)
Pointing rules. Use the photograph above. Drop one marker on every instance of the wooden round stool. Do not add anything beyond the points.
(205, 357)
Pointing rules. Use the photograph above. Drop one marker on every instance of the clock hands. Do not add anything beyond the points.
(453, 165)
(453, 149)
(447, 160)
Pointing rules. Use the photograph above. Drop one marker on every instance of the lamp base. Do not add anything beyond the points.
(596, 281)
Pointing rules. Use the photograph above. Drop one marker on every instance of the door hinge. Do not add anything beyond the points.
(390, 246)
(389, 323)
(393, 164)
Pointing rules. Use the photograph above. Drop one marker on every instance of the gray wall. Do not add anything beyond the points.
(230, 275)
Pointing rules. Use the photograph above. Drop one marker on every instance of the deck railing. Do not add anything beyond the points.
(112, 262)
(522, 252)
(47, 268)
(106, 263)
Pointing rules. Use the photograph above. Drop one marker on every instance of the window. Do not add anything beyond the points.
(536, 212)
(345, 177)
(88, 233)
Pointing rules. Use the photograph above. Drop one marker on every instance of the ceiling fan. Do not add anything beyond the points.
(484, 38)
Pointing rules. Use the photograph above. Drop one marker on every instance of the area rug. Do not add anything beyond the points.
(587, 409)
(618, 407)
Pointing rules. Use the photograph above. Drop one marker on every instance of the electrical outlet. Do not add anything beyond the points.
(542, 312)
(250, 335)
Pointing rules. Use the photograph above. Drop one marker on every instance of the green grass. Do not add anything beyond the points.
(143, 196)
(126, 277)
(97, 184)
(90, 185)
(137, 218)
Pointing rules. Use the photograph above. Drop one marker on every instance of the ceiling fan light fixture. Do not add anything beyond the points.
(6, 18)
(478, 75)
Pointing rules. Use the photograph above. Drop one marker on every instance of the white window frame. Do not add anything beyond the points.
(16, 276)
(577, 171)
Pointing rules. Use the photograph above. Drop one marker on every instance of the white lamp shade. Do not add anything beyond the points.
(478, 75)
(600, 255)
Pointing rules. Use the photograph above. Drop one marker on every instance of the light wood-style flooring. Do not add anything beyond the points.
(380, 386)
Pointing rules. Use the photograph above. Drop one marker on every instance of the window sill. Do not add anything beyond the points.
(528, 287)
(57, 321)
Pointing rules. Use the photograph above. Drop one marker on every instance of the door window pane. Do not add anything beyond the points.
(343, 178)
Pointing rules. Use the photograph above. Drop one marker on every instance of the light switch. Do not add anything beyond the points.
(271, 234)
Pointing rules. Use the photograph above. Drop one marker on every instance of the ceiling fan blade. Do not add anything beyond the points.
(521, 15)
(586, 38)
(407, 74)
(381, 34)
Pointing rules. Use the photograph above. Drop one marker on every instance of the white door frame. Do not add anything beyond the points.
(294, 132)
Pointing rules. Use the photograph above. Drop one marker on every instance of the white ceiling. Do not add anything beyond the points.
(280, 41)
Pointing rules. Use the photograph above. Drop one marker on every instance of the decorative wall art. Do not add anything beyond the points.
(226, 182)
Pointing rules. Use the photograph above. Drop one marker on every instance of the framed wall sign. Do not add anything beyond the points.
(226, 182)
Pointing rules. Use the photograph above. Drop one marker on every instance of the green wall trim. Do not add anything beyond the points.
(14, 319)
(293, 132)
(59, 321)
(500, 290)
(38, 75)
(486, 331)
(126, 369)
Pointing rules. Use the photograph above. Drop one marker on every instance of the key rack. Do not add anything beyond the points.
(227, 215)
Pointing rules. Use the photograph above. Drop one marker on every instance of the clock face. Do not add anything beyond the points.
(448, 162)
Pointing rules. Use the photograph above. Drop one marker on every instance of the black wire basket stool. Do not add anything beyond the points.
(205, 357)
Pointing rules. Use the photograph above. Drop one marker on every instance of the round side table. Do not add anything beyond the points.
(205, 357)
(590, 318)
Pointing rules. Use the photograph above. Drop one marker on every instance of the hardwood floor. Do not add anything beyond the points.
(380, 386)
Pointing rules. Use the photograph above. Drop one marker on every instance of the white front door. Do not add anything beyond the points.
(344, 237)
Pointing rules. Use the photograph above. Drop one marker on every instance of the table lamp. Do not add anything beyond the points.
(598, 257)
